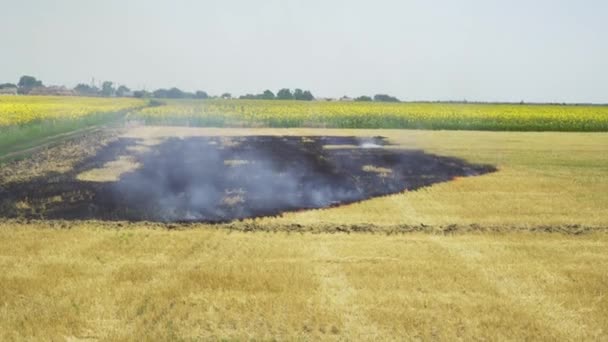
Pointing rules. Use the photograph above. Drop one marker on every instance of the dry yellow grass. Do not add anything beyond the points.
(111, 171)
(138, 283)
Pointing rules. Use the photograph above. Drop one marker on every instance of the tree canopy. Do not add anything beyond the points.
(140, 94)
(298, 94)
(85, 89)
(201, 95)
(385, 98)
(284, 94)
(363, 99)
(107, 89)
(27, 83)
(267, 95)
(7, 85)
(122, 91)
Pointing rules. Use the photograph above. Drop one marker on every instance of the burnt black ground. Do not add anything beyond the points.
(209, 179)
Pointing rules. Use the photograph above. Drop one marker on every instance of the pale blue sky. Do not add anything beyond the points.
(417, 50)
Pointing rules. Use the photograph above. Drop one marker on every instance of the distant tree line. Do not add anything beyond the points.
(27, 84)
(24, 86)
(377, 98)
(282, 94)
(7, 85)
(174, 93)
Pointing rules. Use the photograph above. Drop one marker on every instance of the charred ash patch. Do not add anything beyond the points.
(219, 179)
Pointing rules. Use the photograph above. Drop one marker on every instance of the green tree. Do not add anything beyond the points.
(201, 95)
(175, 93)
(107, 89)
(385, 98)
(7, 85)
(85, 89)
(27, 83)
(284, 94)
(363, 99)
(161, 93)
(122, 91)
(267, 95)
(307, 96)
(298, 94)
(301, 95)
(140, 94)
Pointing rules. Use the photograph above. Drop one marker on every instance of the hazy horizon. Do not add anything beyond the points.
(548, 51)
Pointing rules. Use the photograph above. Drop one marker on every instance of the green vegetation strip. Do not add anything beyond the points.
(23, 139)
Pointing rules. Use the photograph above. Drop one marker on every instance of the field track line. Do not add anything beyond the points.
(339, 295)
(50, 141)
(554, 315)
(25, 149)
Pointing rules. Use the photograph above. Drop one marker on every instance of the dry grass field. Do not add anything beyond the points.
(478, 265)
(95, 283)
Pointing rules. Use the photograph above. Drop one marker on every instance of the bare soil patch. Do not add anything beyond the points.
(219, 179)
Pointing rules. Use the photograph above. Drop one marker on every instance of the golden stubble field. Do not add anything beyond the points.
(96, 283)
(498, 279)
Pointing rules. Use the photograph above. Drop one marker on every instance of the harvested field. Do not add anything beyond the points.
(217, 179)
(94, 283)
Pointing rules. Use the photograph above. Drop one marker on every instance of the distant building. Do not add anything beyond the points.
(52, 91)
(8, 91)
